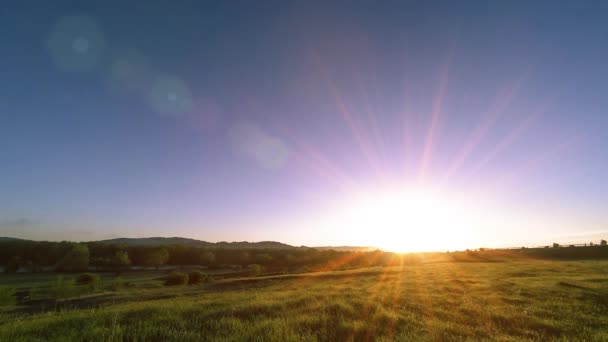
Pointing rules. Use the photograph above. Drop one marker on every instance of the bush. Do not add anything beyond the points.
(197, 277)
(87, 279)
(91, 280)
(7, 296)
(176, 278)
(63, 288)
(118, 283)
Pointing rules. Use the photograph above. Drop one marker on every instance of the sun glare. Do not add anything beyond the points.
(409, 221)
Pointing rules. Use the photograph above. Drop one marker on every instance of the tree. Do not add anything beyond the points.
(263, 258)
(121, 259)
(13, 265)
(77, 259)
(555, 245)
(207, 258)
(156, 257)
(290, 259)
(244, 258)
(255, 270)
(603, 243)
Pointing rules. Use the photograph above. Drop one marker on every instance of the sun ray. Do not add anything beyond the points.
(507, 182)
(346, 115)
(482, 129)
(509, 139)
(313, 159)
(373, 119)
(434, 123)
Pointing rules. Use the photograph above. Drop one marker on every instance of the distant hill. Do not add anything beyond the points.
(172, 241)
(6, 238)
(347, 248)
(162, 241)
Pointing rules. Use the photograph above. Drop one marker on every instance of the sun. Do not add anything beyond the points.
(409, 220)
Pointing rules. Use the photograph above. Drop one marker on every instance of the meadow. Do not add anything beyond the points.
(504, 300)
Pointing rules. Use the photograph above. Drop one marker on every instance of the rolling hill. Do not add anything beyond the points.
(6, 238)
(162, 241)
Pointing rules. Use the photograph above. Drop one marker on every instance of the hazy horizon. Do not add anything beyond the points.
(409, 127)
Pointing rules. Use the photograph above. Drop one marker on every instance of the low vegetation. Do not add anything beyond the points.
(197, 277)
(477, 299)
(63, 288)
(118, 283)
(90, 279)
(7, 296)
(176, 278)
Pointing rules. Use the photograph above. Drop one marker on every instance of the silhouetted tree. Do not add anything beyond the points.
(13, 264)
(603, 243)
(263, 258)
(207, 258)
(555, 245)
(290, 259)
(255, 270)
(121, 259)
(156, 257)
(244, 258)
(77, 259)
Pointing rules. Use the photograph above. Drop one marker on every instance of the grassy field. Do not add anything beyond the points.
(451, 301)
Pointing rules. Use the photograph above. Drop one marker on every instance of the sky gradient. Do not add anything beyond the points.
(274, 120)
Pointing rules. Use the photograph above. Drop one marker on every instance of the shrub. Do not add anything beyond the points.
(90, 280)
(176, 278)
(87, 279)
(118, 283)
(63, 288)
(197, 277)
(7, 296)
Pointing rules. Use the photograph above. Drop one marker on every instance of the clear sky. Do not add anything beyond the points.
(357, 122)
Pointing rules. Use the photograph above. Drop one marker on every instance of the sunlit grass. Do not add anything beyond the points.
(519, 300)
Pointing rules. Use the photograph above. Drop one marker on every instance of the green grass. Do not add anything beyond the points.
(508, 301)
(7, 295)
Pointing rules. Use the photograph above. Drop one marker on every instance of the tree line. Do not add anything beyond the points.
(36, 256)
(69, 256)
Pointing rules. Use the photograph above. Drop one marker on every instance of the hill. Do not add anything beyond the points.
(347, 248)
(181, 241)
(6, 238)
(162, 241)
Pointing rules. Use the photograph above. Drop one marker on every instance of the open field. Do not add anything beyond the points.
(512, 300)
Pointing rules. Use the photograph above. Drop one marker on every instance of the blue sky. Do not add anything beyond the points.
(255, 120)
